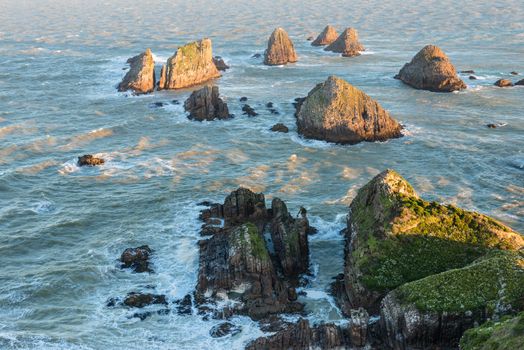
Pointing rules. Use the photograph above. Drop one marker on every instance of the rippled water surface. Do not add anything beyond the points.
(62, 228)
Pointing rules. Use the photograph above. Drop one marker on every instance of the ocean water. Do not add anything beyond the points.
(62, 228)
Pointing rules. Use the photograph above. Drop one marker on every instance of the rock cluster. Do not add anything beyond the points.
(141, 75)
(205, 104)
(328, 35)
(347, 44)
(192, 64)
(89, 160)
(431, 70)
(137, 258)
(336, 111)
(280, 49)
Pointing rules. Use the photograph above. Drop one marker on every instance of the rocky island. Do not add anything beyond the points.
(141, 75)
(280, 49)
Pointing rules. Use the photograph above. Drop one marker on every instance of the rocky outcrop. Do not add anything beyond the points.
(249, 111)
(279, 127)
(89, 160)
(347, 44)
(223, 329)
(393, 237)
(431, 70)
(358, 328)
(503, 83)
(137, 258)
(336, 111)
(141, 300)
(220, 64)
(253, 257)
(503, 334)
(280, 49)
(141, 75)
(192, 64)
(520, 82)
(328, 35)
(205, 104)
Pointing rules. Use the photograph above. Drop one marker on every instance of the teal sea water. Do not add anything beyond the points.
(62, 228)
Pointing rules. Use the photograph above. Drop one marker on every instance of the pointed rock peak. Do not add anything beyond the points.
(347, 44)
(328, 35)
(390, 182)
(280, 49)
(431, 70)
(148, 52)
(141, 75)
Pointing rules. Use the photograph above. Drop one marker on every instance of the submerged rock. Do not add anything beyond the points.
(136, 258)
(514, 73)
(141, 76)
(336, 111)
(347, 44)
(328, 35)
(223, 329)
(90, 160)
(280, 49)
(431, 70)
(279, 127)
(472, 77)
(205, 104)
(185, 305)
(220, 64)
(467, 71)
(503, 83)
(249, 111)
(141, 300)
(192, 64)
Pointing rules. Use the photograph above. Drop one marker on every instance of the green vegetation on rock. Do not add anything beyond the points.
(507, 334)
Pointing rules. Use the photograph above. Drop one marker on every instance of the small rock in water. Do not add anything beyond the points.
(140, 300)
(224, 329)
(520, 82)
(219, 63)
(503, 83)
(88, 159)
(136, 258)
(175, 102)
(257, 55)
(310, 38)
(492, 126)
(467, 72)
(279, 127)
(472, 77)
(243, 99)
(185, 305)
(514, 73)
(274, 111)
(206, 104)
(156, 104)
(269, 105)
(249, 111)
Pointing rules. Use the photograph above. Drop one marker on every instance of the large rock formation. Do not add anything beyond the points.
(280, 49)
(205, 104)
(141, 75)
(347, 44)
(431, 70)
(394, 237)
(328, 35)
(192, 64)
(254, 258)
(336, 111)
(504, 334)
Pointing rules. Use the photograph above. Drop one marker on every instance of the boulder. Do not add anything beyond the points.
(192, 64)
(520, 82)
(514, 73)
(137, 258)
(394, 237)
(280, 49)
(90, 160)
(336, 111)
(205, 104)
(503, 83)
(141, 300)
(141, 76)
(279, 127)
(223, 329)
(220, 64)
(506, 333)
(472, 77)
(347, 44)
(328, 35)
(431, 70)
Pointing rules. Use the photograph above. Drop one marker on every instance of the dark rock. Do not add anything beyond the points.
(157, 104)
(292, 294)
(280, 49)
(309, 38)
(220, 64)
(249, 111)
(514, 73)
(175, 102)
(257, 55)
(279, 127)
(141, 300)
(328, 35)
(112, 302)
(520, 82)
(90, 160)
(472, 77)
(137, 258)
(205, 104)
(492, 126)
(274, 111)
(223, 329)
(141, 76)
(503, 83)
(358, 328)
(243, 99)
(185, 305)
(467, 72)
(347, 44)
(269, 105)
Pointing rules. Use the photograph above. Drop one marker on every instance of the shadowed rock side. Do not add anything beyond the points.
(520, 82)
(220, 64)
(431, 70)
(336, 111)
(192, 64)
(141, 75)
(328, 35)
(205, 104)
(240, 262)
(280, 49)
(347, 44)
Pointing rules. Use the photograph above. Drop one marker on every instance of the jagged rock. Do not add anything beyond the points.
(280, 49)
(504, 334)
(336, 111)
(520, 82)
(279, 127)
(141, 76)
(302, 336)
(431, 70)
(358, 328)
(136, 258)
(185, 305)
(503, 83)
(249, 111)
(220, 64)
(205, 104)
(141, 300)
(328, 35)
(347, 44)
(90, 160)
(223, 329)
(393, 237)
(192, 64)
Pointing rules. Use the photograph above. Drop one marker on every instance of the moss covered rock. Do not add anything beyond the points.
(506, 334)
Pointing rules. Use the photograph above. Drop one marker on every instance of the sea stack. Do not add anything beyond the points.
(191, 64)
(205, 104)
(328, 35)
(141, 76)
(280, 49)
(347, 44)
(431, 70)
(336, 111)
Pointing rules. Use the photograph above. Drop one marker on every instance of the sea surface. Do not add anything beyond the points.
(63, 228)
